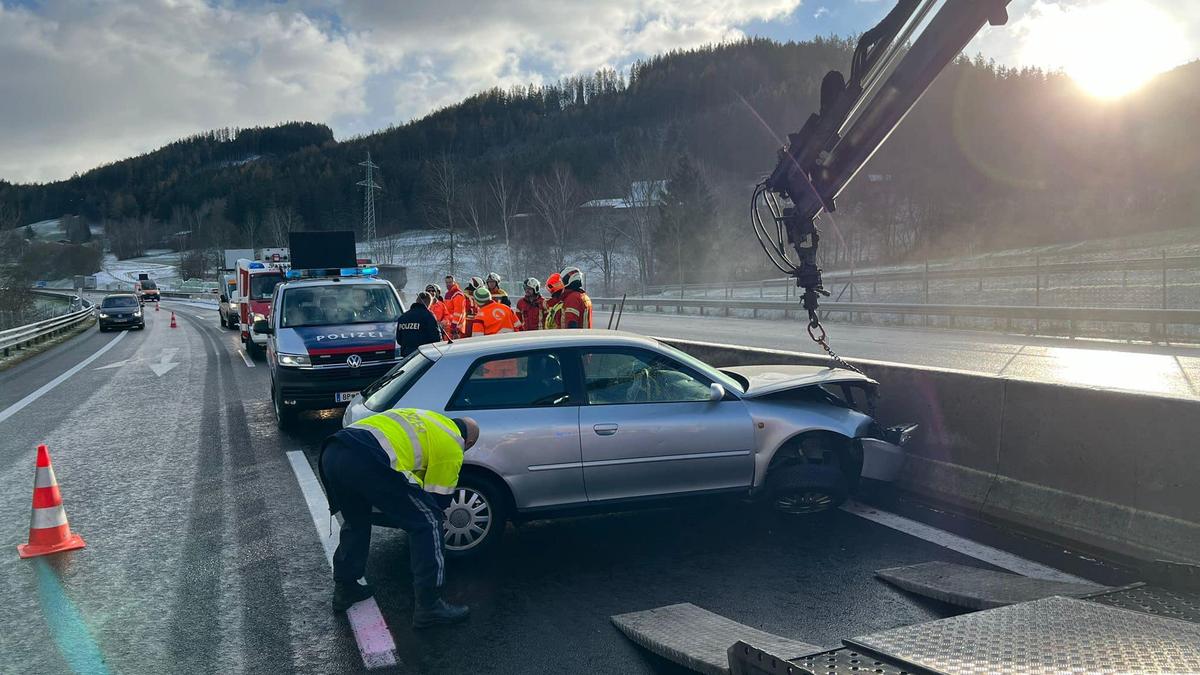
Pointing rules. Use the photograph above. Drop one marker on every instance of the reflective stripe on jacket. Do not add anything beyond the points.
(423, 445)
(553, 312)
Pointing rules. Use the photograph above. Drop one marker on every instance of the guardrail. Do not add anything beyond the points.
(19, 337)
(927, 273)
(1070, 315)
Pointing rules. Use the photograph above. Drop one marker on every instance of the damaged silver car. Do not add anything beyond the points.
(583, 419)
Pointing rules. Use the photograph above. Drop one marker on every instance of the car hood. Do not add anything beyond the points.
(774, 379)
(338, 339)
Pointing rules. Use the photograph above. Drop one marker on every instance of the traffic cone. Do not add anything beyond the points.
(156, 306)
(48, 529)
(173, 320)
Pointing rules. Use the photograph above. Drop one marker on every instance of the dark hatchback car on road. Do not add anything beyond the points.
(120, 310)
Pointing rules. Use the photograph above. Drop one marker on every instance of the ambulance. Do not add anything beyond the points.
(256, 281)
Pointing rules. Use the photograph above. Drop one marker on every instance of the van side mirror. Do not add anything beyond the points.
(262, 327)
(716, 392)
(224, 298)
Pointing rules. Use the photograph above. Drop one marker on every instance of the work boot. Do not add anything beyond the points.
(437, 612)
(346, 594)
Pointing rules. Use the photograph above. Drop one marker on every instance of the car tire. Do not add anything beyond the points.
(285, 418)
(253, 350)
(477, 496)
(103, 329)
(802, 489)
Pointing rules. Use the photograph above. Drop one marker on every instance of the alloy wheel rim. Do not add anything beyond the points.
(468, 520)
(804, 501)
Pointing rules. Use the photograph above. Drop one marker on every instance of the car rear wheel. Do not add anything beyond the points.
(476, 517)
(801, 489)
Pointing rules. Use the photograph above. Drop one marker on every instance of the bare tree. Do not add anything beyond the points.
(507, 198)
(556, 198)
(473, 216)
(638, 168)
(251, 229)
(280, 222)
(441, 204)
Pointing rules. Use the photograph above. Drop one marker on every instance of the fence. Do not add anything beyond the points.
(1072, 321)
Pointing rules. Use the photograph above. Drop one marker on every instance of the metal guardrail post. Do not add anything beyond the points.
(1037, 291)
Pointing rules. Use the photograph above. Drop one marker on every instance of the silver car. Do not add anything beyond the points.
(590, 418)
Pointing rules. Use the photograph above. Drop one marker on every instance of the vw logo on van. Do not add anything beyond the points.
(354, 360)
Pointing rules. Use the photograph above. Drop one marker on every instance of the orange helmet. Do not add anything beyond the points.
(554, 282)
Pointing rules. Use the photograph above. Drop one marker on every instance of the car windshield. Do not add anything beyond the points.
(262, 285)
(339, 304)
(119, 301)
(717, 376)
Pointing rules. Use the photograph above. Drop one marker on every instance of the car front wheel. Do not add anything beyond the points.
(806, 488)
(285, 418)
(476, 517)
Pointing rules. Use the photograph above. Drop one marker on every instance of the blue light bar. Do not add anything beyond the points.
(293, 274)
(257, 266)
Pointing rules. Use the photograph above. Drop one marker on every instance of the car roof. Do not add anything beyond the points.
(538, 339)
(119, 295)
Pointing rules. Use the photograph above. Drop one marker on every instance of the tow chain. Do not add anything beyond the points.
(815, 325)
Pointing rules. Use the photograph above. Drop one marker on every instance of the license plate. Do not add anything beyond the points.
(345, 396)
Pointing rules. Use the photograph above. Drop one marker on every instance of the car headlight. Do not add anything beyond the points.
(259, 317)
(137, 313)
(294, 360)
(103, 315)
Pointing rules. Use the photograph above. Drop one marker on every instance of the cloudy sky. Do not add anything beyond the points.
(91, 81)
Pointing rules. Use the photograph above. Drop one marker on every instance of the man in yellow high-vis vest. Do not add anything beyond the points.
(404, 462)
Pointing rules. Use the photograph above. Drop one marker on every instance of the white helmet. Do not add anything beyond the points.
(492, 276)
(475, 282)
(532, 284)
(571, 276)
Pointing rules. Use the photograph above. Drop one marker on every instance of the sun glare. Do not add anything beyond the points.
(1109, 48)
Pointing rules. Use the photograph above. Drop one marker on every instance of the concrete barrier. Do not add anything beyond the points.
(1116, 471)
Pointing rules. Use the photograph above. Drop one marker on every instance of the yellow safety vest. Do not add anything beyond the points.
(423, 445)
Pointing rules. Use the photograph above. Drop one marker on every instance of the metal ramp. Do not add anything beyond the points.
(698, 639)
(977, 588)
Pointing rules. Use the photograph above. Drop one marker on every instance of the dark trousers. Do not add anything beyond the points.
(358, 482)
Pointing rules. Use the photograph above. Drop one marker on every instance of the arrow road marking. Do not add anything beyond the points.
(165, 364)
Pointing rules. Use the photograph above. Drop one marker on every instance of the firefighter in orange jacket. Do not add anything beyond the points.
(472, 304)
(532, 307)
(438, 306)
(455, 323)
(492, 316)
(576, 305)
(553, 318)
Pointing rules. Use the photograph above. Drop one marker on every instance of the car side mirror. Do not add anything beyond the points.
(224, 298)
(716, 392)
(262, 327)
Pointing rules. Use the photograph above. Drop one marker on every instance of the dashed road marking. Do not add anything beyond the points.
(987, 554)
(45, 388)
(374, 640)
(246, 358)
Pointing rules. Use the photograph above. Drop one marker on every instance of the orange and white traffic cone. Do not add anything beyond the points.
(48, 528)
(157, 306)
(173, 320)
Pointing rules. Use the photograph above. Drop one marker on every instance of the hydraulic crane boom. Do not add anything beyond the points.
(888, 74)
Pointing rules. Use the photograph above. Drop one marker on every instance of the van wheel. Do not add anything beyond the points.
(285, 418)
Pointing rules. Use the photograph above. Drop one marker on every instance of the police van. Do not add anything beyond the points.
(330, 333)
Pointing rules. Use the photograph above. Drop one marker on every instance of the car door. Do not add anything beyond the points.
(529, 425)
(647, 428)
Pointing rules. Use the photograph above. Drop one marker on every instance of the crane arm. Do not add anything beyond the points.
(888, 74)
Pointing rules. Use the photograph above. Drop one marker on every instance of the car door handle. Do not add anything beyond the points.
(605, 429)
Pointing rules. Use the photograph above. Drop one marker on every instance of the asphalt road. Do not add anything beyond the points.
(1173, 370)
(202, 555)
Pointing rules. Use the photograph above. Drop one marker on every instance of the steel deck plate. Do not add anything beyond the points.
(698, 639)
(1049, 636)
(1184, 605)
(977, 588)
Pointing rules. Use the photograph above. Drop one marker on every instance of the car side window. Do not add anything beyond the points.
(522, 381)
(637, 376)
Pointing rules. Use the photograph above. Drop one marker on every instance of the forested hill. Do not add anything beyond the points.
(989, 156)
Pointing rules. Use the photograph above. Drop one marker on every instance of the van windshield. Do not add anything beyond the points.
(338, 304)
(262, 285)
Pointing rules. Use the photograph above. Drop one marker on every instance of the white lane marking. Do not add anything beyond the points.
(246, 358)
(374, 640)
(42, 390)
(988, 554)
